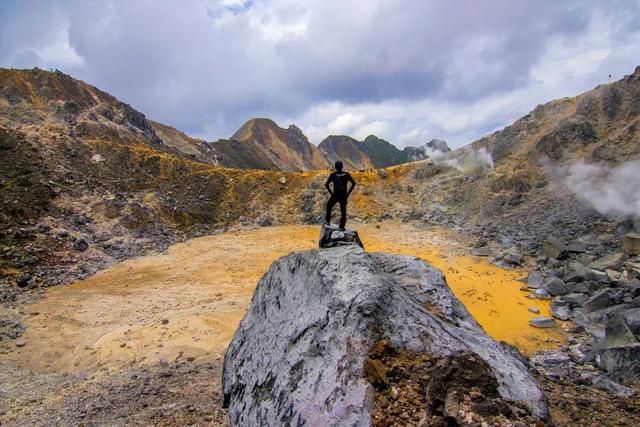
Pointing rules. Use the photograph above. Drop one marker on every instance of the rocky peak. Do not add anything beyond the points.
(438, 145)
(295, 130)
(289, 149)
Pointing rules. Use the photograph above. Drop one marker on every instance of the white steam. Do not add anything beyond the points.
(611, 191)
(468, 160)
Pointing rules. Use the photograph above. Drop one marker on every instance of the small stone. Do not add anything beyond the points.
(165, 321)
(81, 245)
(541, 294)
(484, 251)
(535, 279)
(561, 312)
(24, 281)
(282, 180)
(542, 322)
(556, 286)
(533, 309)
(20, 343)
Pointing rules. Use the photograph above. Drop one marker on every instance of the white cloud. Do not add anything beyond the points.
(407, 71)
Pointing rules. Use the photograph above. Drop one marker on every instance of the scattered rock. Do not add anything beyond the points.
(556, 286)
(24, 281)
(623, 359)
(542, 322)
(535, 279)
(540, 294)
(533, 309)
(603, 383)
(598, 301)
(632, 319)
(509, 258)
(383, 173)
(631, 244)
(80, 245)
(484, 251)
(611, 261)
(618, 333)
(555, 248)
(560, 312)
(575, 299)
(282, 180)
(265, 221)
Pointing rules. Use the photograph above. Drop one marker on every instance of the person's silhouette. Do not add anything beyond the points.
(340, 193)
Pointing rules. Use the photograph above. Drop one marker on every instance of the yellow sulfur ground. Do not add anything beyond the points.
(189, 301)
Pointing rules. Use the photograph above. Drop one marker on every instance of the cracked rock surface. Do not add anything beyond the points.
(298, 356)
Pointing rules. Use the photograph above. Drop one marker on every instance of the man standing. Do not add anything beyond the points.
(340, 193)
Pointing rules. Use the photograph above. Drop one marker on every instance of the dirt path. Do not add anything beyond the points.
(184, 306)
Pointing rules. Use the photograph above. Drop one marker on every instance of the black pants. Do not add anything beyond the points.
(337, 198)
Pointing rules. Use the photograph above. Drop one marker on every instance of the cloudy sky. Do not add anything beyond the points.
(407, 71)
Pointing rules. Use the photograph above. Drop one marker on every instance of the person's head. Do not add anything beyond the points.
(338, 165)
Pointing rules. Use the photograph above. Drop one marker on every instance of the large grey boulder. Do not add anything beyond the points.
(298, 356)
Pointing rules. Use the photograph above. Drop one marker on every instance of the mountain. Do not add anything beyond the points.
(382, 153)
(376, 152)
(347, 149)
(77, 161)
(433, 148)
(288, 149)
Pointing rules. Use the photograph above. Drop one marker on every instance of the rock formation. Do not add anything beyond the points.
(289, 149)
(303, 352)
(331, 236)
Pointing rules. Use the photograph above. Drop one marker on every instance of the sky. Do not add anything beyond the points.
(406, 71)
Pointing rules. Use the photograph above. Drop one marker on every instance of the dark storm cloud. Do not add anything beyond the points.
(205, 67)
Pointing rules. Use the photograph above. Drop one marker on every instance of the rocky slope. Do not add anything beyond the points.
(311, 347)
(289, 149)
(80, 164)
(345, 148)
(376, 152)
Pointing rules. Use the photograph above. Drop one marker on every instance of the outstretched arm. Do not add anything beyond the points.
(353, 185)
(327, 186)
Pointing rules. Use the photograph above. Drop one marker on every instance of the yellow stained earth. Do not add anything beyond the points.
(187, 302)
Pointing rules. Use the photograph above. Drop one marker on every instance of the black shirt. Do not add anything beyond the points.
(340, 180)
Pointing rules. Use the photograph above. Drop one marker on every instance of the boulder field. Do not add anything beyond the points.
(331, 332)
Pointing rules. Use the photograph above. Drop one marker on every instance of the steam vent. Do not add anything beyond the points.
(337, 336)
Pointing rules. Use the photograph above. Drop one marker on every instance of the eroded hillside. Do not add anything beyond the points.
(80, 166)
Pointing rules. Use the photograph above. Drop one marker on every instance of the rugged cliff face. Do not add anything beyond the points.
(302, 353)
